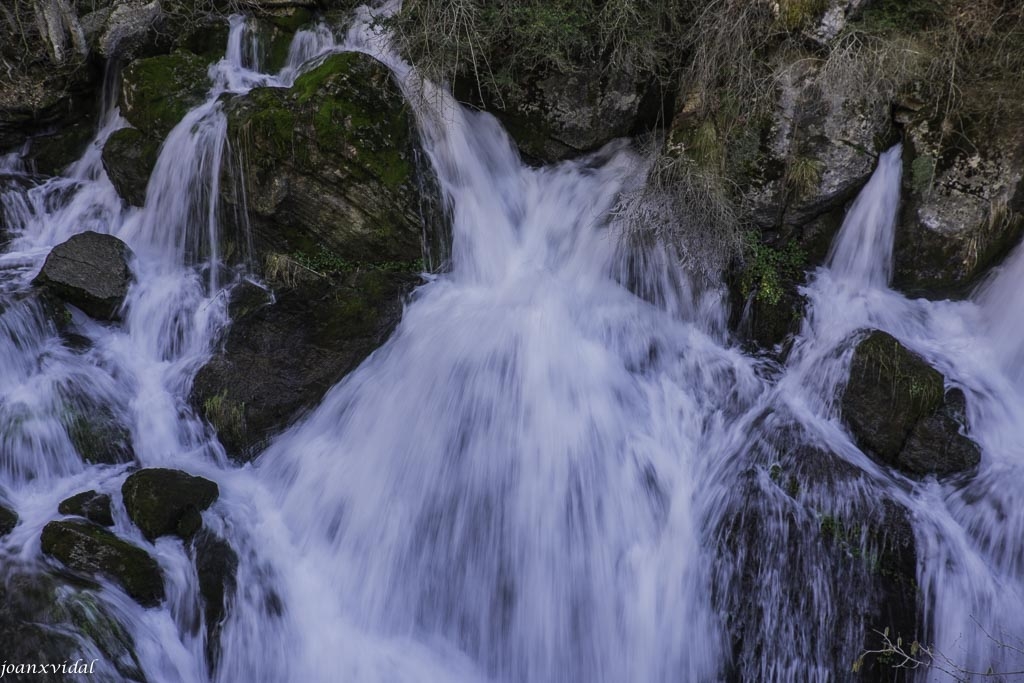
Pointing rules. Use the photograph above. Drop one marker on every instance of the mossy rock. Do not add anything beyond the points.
(8, 520)
(52, 153)
(330, 164)
(91, 505)
(88, 548)
(157, 92)
(98, 435)
(889, 391)
(54, 618)
(163, 502)
(129, 157)
(899, 412)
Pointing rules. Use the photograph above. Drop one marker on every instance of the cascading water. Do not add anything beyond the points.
(542, 476)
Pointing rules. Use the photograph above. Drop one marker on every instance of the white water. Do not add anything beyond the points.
(538, 477)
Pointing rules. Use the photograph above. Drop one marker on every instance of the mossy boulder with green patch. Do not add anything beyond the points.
(157, 92)
(329, 164)
(165, 502)
(129, 157)
(899, 413)
(280, 359)
(91, 549)
(91, 505)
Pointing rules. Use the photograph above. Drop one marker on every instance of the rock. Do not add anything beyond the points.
(51, 153)
(157, 92)
(128, 27)
(936, 446)
(89, 271)
(806, 517)
(889, 391)
(96, 432)
(559, 115)
(217, 569)
(331, 164)
(88, 548)
(89, 504)
(963, 206)
(128, 158)
(282, 358)
(55, 619)
(8, 520)
(898, 412)
(164, 502)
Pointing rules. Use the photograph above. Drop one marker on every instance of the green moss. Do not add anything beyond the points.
(904, 375)
(157, 92)
(226, 416)
(767, 270)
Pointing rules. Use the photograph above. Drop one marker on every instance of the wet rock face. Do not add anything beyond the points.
(89, 271)
(128, 158)
(217, 567)
(963, 210)
(39, 611)
(94, 506)
(8, 520)
(88, 548)
(281, 358)
(899, 412)
(164, 502)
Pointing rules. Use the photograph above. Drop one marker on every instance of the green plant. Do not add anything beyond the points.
(803, 175)
(767, 269)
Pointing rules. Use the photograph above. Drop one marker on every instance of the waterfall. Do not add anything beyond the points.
(551, 471)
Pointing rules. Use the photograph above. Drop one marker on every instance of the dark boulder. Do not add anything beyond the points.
(282, 358)
(899, 413)
(8, 520)
(128, 158)
(163, 502)
(94, 506)
(217, 568)
(89, 271)
(88, 548)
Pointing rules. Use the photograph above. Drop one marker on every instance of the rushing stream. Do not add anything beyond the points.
(538, 477)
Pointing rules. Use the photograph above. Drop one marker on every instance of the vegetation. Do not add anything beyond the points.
(769, 268)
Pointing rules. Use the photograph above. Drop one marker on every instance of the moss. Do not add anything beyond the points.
(797, 14)
(922, 172)
(157, 92)
(85, 547)
(911, 382)
(226, 416)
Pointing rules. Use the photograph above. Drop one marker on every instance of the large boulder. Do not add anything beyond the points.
(94, 506)
(330, 164)
(163, 502)
(89, 271)
(91, 549)
(899, 412)
(129, 157)
(280, 359)
(157, 92)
